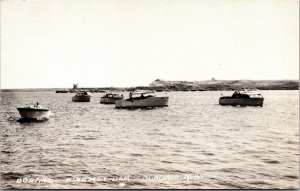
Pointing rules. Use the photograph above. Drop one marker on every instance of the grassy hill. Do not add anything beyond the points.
(213, 85)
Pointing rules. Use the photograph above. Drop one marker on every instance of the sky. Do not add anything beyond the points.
(124, 43)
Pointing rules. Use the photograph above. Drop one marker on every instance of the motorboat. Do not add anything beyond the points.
(242, 98)
(144, 99)
(34, 112)
(62, 91)
(82, 97)
(110, 98)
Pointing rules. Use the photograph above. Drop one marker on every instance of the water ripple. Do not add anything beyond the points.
(214, 147)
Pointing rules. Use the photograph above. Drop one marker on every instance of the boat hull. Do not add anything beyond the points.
(62, 91)
(143, 103)
(34, 113)
(241, 101)
(85, 98)
(108, 100)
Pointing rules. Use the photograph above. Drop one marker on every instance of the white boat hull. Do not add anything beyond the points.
(143, 103)
(34, 113)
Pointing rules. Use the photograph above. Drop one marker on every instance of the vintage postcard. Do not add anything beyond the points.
(149, 94)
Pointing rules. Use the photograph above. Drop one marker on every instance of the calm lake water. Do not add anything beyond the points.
(193, 143)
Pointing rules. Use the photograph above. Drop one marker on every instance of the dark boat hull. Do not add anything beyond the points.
(62, 91)
(241, 101)
(85, 98)
(109, 100)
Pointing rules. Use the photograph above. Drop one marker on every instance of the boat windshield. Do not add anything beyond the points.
(82, 93)
(245, 93)
(255, 95)
(37, 105)
(111, 95)
(142, 94)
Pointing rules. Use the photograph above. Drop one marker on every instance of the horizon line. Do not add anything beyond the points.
(146, 85)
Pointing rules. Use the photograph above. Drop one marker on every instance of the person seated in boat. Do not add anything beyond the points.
(142, 96)
(235, 94)
(38, 105)
(130, 96)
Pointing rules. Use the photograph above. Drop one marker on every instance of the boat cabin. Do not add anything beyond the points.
(238, 94)
(112, 96)
(83, 94)
(141, 95)
(242, 95)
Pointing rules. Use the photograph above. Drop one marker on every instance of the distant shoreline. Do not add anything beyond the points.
(161, 85)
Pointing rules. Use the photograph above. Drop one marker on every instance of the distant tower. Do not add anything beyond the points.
(75, 86)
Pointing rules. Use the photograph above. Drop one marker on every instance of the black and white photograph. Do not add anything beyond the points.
(149, 94)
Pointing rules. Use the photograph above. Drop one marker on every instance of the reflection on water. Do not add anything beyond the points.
(193, 143)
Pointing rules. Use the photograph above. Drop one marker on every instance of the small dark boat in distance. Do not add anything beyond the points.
(62, 91)
(82, 97)
(242, 98)
(110, 98)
